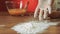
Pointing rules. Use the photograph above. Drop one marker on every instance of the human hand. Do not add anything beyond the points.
(43, 14)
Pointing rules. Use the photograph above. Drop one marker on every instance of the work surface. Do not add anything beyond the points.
(10, 21)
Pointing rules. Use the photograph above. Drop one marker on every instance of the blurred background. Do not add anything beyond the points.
(31, 7)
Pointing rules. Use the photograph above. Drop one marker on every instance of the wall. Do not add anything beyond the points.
(57, 3)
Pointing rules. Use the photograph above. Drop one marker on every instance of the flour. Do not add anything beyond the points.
(32, 27)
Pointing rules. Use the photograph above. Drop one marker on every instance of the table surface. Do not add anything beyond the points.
(10, 21)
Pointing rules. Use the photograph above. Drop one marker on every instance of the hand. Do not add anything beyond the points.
(43, 14)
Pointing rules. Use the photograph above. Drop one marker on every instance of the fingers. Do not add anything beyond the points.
(49, 9)
(36, 12)
(41, 15)
(45, 14)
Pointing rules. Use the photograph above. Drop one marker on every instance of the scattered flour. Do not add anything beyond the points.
(32, 27)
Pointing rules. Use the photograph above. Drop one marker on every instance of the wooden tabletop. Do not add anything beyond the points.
(10, 21)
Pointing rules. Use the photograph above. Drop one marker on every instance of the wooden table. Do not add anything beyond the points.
(10, 21)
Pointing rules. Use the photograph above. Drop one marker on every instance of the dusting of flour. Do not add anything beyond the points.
(32, 27)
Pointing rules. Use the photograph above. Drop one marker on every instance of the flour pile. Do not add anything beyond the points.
(32, 27)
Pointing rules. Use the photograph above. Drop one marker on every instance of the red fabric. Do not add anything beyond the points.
(31, 6)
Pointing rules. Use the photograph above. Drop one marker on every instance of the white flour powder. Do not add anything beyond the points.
(32, 27)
